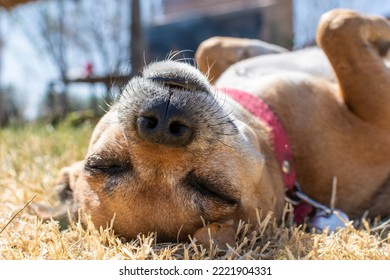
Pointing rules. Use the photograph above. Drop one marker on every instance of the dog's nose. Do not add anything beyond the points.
(165, 124)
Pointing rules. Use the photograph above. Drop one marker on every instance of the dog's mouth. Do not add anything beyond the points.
(179, 83)
(177, 75)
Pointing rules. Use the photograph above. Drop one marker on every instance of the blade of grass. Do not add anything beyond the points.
(16, 214)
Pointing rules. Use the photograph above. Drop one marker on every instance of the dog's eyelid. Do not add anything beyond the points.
(96, 163)
(209, 189)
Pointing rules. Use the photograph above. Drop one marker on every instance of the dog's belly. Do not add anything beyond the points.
(247, 73)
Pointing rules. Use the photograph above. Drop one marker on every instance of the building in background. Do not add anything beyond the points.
(183, 24)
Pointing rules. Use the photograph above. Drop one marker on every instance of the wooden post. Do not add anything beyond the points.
(137, 38)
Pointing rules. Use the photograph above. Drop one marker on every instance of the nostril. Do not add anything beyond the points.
(148, 123)
(165, 124)
(178, 129)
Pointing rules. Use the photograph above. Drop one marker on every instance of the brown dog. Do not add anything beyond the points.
(173, 151)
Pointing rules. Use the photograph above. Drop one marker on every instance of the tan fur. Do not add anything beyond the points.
(338, 131)
(335, 129)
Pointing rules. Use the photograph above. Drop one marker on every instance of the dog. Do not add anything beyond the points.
(180, 157)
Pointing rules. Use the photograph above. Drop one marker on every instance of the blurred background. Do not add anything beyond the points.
(67, 59)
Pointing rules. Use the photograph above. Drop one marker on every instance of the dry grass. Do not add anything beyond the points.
(30, 158)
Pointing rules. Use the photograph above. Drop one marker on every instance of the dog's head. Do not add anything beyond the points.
(170, 154)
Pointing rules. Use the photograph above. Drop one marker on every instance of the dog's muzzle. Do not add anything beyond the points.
(165, 124)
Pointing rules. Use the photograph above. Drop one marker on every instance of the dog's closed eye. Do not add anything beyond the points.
(209, 189)
(107, 166)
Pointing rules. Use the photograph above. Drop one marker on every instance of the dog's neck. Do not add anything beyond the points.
(281, 146)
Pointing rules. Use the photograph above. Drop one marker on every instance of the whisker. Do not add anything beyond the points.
(174, 54)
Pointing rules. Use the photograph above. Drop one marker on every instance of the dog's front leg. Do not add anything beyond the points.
(67, 182)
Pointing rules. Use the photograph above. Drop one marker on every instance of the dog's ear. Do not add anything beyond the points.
(217, 234)
(66, 183)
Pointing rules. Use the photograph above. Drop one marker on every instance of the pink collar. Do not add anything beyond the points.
(282, 147)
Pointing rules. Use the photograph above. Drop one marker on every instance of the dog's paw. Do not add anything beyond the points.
(216, 234)
(340, 25)
(46, 213)
(65, 185)
(67, 181)
(216, 54)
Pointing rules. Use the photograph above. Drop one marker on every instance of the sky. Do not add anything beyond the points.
(26, 65)
(22, 66)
